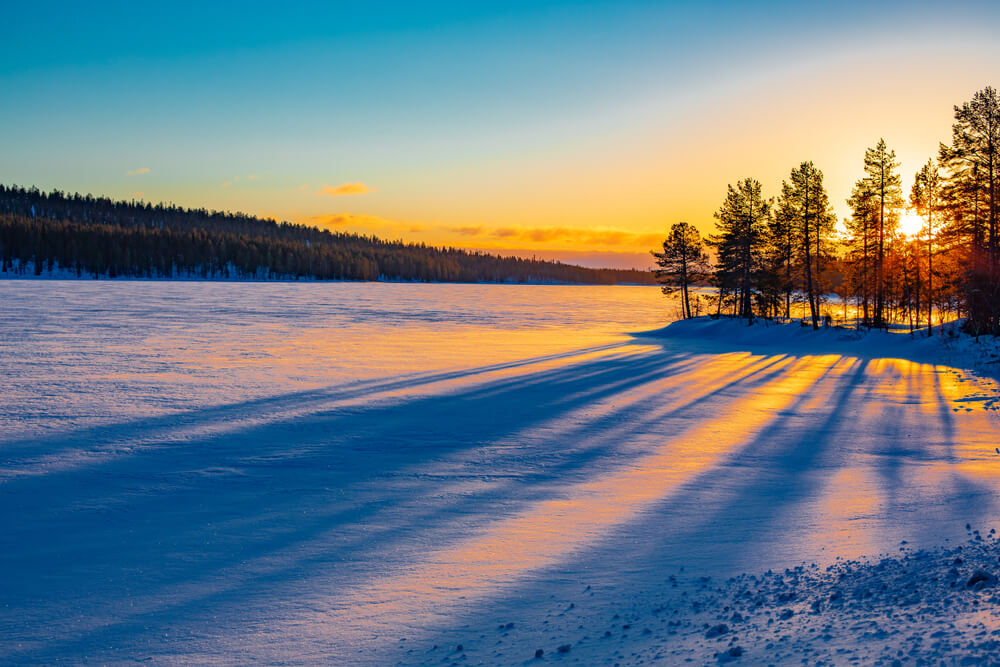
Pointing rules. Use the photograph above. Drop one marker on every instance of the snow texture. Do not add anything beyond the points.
(427, 474)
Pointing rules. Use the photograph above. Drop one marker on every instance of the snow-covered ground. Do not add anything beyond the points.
(359, 474)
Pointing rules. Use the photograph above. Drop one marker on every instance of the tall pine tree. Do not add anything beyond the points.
(805, 205)
(883, 184)
(925, 198)
(971, 191)
(742, 223)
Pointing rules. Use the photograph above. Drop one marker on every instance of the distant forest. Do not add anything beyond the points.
(99, 237)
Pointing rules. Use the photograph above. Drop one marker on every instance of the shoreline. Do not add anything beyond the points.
(199, 279)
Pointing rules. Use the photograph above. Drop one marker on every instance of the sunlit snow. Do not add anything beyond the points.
(373, 473)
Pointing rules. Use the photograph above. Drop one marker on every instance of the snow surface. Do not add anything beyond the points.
(420, 474)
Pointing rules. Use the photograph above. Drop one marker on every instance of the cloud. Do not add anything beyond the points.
(136, 172)
(467, 231)
(595, 259)
(344, 189)
(333, 219)
(563, 239)
(600, 247)
(301, 188)
(138, 195)
(362, 224)
(567, 236)
(338, 220)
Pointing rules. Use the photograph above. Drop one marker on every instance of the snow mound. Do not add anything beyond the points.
(915, 607)
(946, 346)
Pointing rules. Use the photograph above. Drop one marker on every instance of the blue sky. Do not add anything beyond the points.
(474, 116)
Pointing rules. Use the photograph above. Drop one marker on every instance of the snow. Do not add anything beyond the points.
(377, 474)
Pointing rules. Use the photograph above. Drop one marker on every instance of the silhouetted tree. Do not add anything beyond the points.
(860, 245)
(883, 185)
(742, 223)
(970, 192)
(682, 262)
(781, 254)
(805, 207)
(926, 200)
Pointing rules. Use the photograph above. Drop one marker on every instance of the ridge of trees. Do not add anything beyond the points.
(98, 236)
(770, 252)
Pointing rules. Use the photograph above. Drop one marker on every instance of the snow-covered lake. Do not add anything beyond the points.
(78, 352)
(368, 473)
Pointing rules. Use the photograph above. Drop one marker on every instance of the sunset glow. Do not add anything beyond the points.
(911, 224)
(577, 131)
(534, 332)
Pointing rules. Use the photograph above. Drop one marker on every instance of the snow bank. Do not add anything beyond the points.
(947, 346)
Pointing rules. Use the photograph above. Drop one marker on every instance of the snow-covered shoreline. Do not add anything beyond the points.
(948, 345)
(231, 275)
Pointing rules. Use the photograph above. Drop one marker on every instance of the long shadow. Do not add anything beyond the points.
(298, 457)
(310, 455)
(687, 521)
(963, 502)
(757, 483)
(538, 399)
(719, 521)
(686, 528)
(164, 425)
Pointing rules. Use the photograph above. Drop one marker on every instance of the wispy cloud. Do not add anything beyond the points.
(589, 247)
(138, 195)
(566, 235)
(344, 189)
(366, 224)
(467, 231)
(136, 172)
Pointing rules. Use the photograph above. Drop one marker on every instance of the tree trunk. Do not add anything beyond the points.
(810, 292)
(684, 284)
(930, 269)
(879, 269)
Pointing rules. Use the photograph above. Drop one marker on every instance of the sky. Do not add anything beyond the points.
(577, 131)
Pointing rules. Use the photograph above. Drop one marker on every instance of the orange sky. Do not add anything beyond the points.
(574, 131)
(610, 198)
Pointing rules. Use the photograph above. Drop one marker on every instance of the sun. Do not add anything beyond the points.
(910, 224)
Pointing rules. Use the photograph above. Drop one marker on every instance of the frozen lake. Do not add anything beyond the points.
(78, 352)
(232, 472)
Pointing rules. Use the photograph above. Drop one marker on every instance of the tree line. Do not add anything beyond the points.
(772, 252)
(99, 237)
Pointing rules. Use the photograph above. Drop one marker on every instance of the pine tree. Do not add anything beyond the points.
(971, 191)
(781, 251)
(861, 247)
(883, 184)
(742, 223)
(805, 205)
(682, 262)
(925, 198)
